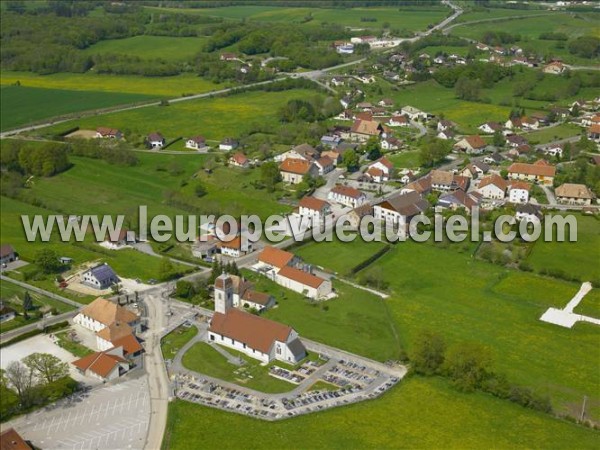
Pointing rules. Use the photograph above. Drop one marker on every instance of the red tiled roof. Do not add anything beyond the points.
(297, 166)
(313, 203)
(347, 191)
(254, 331)
(301, 277)
(532, 169)
(275, 257)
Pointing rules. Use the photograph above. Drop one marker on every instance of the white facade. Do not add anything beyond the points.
(314, 215)
(88, 322)
(279, 350)
(321, 291)
(492, 191)
(518, 195)
(347, 200)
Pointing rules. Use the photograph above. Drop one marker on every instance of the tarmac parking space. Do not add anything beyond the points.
(113, 416)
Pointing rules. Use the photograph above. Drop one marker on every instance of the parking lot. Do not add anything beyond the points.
(109, 417)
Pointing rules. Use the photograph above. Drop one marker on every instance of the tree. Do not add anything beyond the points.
(46, 367)
(468, 364)
(429, 352)
(47, 260)
(372, 149)
(165, 268)
(468, 89)
(434, 151)
(498, 139)
(351, 160)
(27, 304)
(200, 189)
(20, 378)
(269, 175)
(184, 289)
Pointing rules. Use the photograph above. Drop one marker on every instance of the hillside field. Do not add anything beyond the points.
(407, 18)
(418, 413)
(174, 86)
(22, 105)
(151, 47)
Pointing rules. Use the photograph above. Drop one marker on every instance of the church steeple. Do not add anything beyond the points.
(223, 293)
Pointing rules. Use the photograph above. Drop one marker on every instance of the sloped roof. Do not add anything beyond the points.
(103, 272)
(301, 277)
(239, 158)
(107, 312)
(114, 331)
(257, 297)
(313, 203)
(6, 249)
(347, 191)
(254, 331)
(368, 127)
(101, 363)
(495, 180)
(579, 191)
(129, 343)
(532, 169)
(297, 166)
(275, 257)
(407, 204)
(520, 185)
(11, 440)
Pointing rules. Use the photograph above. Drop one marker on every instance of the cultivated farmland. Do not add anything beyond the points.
(151, 47)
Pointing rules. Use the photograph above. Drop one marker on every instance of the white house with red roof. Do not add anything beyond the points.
(347, 195)
(492, 187)
(238, 159)
(316, 210)
(518, 192)
(380, 170)
(196, 143)
(294, 170)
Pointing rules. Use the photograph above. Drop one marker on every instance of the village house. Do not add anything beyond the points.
(99, 277)
(273, 258)
(294, 170)
(492, 187)
(238, 159)
(514, 140)
(380, 171)
(513, 123)
(303, 282)
(7, 254)
(106, 365)
(554, 68)
(362, 130)
(330, 140)
(444, 125)
(347, 195)
(447, 135)
(228, 144)
(6, 313)
(252, 335)
(228, 57)
(123, 239)
(529, 123)
(108, 133)
(553, 150)
(540, 172)
(490, 127)
(334, 155)
(109, 321)
(155, 140)
(590, 120)
(574, 194)
(390, 143)
(528, 213)
(196, 143)
(397, 211)
(324, 165)
(475, 170)
(243, 293)
(386, 102)
(494, 158)
(413, 113)
(518, 192)
(594, 132)
(459, 199)
(337, 81)
(314, 209)
(444, 181)
(471, 144)
(305, 152)
(234, 247)
(398, 121)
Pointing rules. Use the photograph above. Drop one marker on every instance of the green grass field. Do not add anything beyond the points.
(12, 296)
(151, 47)
(176, 339)
(214, 118)
(22, 105)
(203, 358)
(347, 255)
(356, 320)
(493, 13)
(418, 413)
(174, 86)
(573, 258)
(405, 159)
(530, 28)
(553, 133)
(409, 18)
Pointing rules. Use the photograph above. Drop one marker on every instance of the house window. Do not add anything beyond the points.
(212, 337)
(244, 345)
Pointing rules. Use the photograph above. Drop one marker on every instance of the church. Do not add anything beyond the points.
(252, 335)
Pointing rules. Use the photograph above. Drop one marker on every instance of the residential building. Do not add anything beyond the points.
(329, 140)
(314, 209)
(122, 239)
(234, 247)
(594, 132)
(380, 170)
(574, 194)
(474, 170)
(106, 365)
(303, 282)
(398, 121)
(471, 144)
(100, 277)
(347, 196)
(414, 113)
(294, 171)
(492, 187)
(539, 172)
(362, 130)
(273, 258)
(155, 140)
(324, 165)
(228, 144)
(7, 254)
(6, 313)
(238, 159)
(397, 211)
(490, 127)
(108, 133)
(390, 143)
(554, 68)
(494, 158)
(196, 143)
(459, 199)
(518, 192)
(528, 212)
